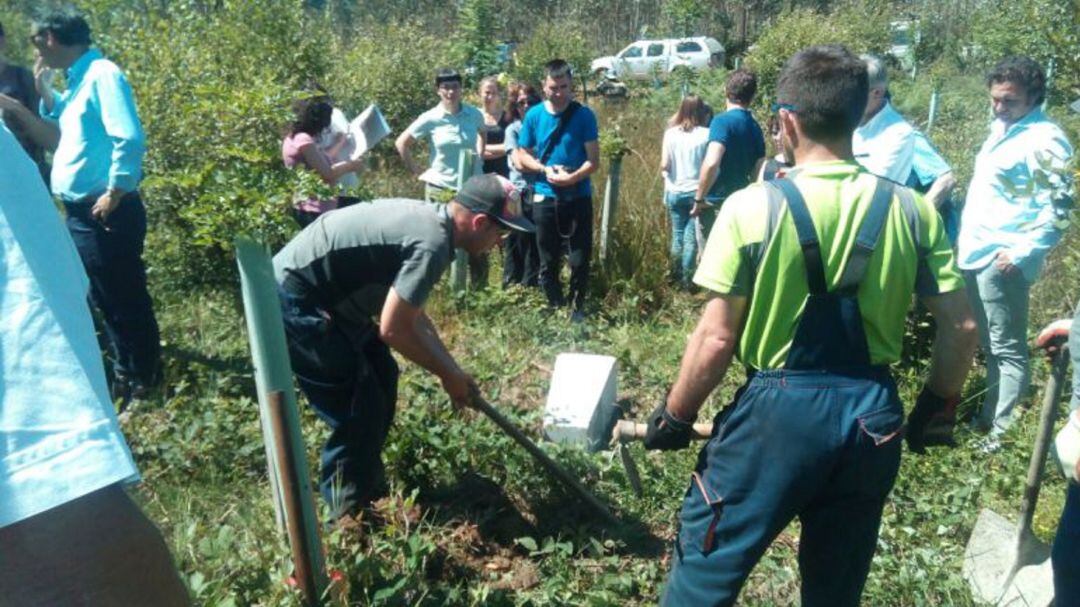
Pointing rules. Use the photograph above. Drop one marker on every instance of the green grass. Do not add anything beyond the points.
(472, 519)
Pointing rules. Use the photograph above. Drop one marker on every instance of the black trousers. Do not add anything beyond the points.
(111, 253)
(522, 262)
(564, 225)
(350, 378)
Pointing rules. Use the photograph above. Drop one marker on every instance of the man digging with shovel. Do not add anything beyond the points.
(812, 277)
(378, 260)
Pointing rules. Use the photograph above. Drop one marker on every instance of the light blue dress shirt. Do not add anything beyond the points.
(1019, 173)
(101, 141)
(885, 145)
(927, 164)
(59, 439)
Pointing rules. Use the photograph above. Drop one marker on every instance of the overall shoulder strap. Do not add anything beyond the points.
(867, 238)
(808, 240)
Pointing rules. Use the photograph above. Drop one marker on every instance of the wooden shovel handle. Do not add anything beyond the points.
(628, 430)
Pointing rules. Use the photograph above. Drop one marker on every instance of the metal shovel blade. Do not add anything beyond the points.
(1004, 567)
(630, 468)
(1006, 564)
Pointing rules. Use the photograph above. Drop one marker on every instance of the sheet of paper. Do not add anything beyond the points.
(368, 129)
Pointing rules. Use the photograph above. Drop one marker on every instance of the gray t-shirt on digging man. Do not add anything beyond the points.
(346, 261)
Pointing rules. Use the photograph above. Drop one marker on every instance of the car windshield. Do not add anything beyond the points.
(631, 52)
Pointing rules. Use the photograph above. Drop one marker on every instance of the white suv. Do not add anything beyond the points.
(645, 59)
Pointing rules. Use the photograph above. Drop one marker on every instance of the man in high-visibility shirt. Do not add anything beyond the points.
(812, 277)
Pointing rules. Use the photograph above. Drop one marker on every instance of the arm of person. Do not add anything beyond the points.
(592, 163)
(404, 144)
(319, 162)
(665, 162)
(954, 342)
(526, 162)
(941, 188)
(44, 133)
(709, 170)
(492, 151)
(708, 355)
(119, 120)
(481, 144)
(43, 84)
(339, 142)
(408, 330)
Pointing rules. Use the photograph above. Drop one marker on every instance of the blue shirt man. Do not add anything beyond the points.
(101, 140)
(563, 149)
(98, 145)
(568, 151)
(1010, 222)
(735, 153)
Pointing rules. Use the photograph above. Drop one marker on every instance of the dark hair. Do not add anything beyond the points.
(446, 74)
(311, 115)
(68, 26)
(1, 30)
(741, 86)
(513, 92)
(557, 68)
(692, 112)
(827, 89)
(1023, 72)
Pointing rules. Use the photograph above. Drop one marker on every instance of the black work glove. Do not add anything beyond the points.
(931, 422)
(666, 432)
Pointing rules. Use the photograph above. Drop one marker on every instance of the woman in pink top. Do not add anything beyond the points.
(299, 148)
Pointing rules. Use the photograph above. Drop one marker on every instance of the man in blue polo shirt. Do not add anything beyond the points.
(735, 153)
(98, 146)
(1012, 218)
(560, 140)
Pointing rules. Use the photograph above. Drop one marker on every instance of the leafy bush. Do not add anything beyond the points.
(550, 40)
(389, 64)
(862, 26)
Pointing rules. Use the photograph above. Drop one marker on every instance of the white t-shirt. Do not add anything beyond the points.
(339, 124)
(685, 152)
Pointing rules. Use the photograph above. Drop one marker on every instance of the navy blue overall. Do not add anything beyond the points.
(818, 440)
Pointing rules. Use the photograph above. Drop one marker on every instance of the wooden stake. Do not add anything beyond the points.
(611, 205)
(303, 538)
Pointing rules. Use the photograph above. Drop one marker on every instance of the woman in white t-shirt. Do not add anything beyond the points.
(681, 156)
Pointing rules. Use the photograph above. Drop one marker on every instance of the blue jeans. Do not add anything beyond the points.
(1066, 552)
(350, 378)
(111, 253)
(824, 447)
(1000, 303)
(683, 235)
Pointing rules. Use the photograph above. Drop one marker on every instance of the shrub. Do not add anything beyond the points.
(550, 40)
(389, 64)
(862, 26)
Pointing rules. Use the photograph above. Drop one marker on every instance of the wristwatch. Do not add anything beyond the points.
(699, 201)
